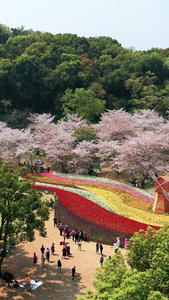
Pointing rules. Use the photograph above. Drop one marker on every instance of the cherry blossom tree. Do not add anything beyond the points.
(115, 125)
(42, 126)
(72, 123)
(84, 155)
(57, 140)
(16, 144)
(147, 120)
(147, 152)
(106, 151)
(59, 147)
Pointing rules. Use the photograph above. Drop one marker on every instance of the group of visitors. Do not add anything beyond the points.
(65, 250)
(137, 183)
(78, 235)
(45, 255)
(116, 247)
(99, 246)
(63, 229)
(46, 169)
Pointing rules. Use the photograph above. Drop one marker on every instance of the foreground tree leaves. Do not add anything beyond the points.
(145, 277)
(21, 210)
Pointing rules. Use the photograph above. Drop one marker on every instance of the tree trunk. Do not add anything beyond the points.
(1, 267)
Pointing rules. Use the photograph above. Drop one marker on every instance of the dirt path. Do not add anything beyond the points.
(56, 285)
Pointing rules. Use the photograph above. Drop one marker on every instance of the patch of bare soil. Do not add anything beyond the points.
(55, 285)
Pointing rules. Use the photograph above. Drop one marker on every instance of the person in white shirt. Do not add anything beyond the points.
(117, 244)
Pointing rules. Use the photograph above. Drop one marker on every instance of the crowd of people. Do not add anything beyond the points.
(75, 235)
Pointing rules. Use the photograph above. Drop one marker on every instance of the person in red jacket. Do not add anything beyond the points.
(35, 259)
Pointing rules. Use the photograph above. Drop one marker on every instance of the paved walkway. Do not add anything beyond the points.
(56, 285)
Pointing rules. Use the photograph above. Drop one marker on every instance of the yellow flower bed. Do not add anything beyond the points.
(115, 201)
(129, 199)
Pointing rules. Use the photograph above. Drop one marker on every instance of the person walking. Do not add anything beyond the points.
(79, 245)
(76, 236)
(55, 221)
(42, 249)
(64, 237)
(97, 247)
(51, 203)
(101, 260)
(73, 235)
(101, 249)
(48, 254)
(35, 259)
(59, 265)
(43, 260)
(60, 228)
(53, 248)
(64, 252)
(126, 243)
(117, 244)
(73, 272)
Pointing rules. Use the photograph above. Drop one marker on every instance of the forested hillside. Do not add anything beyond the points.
(64, 73)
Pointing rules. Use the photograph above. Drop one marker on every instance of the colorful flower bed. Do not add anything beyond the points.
(103, 205)
(115, 199)
(127, 198)
(61, 180)
(86, 194)
(141, 194)
(94, 231)
(94, 213)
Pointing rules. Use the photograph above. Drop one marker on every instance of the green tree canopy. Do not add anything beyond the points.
(21, 210)
(42, 66)
(4, 34)
(85, 133)
(84, 103)
(147, 273)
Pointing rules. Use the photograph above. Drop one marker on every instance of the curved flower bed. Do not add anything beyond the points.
(115, 201)
(86, 194)
(141, 194)
(120, 200)
(90, 202)
(99, 179)
(94, 213)
(101, 205)
(94, 231)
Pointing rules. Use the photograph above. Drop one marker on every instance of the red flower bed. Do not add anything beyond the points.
(94, 231)
(92, 212)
